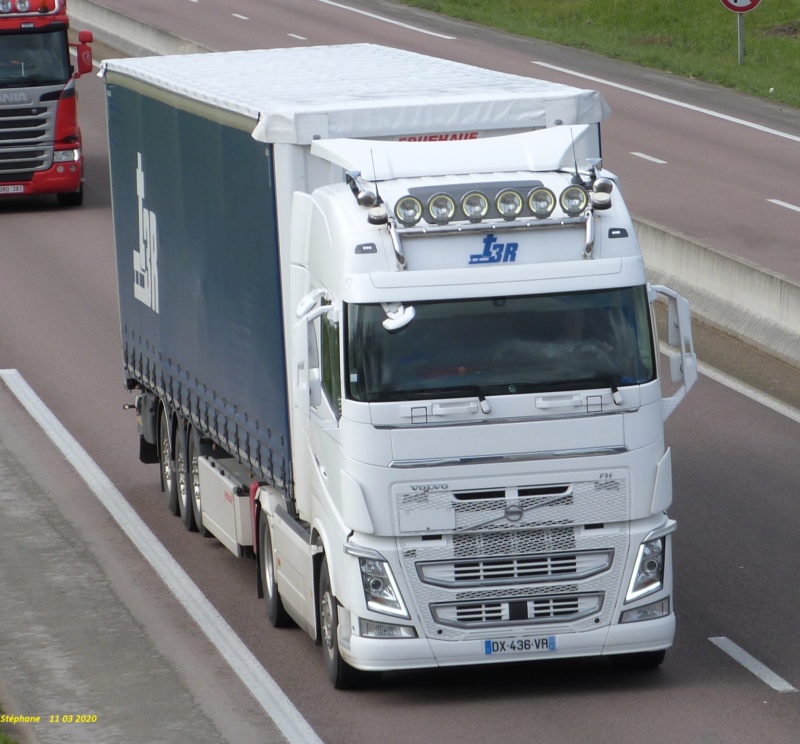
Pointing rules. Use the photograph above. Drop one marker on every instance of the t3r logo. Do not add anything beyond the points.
(494, 252)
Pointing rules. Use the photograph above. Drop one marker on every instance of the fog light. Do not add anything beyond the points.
(371, 629)
(648, 612)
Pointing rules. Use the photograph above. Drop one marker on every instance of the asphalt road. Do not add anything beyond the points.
(735, 460)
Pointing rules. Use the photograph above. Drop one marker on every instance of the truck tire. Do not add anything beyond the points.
(182, 477)
(193, 484)
(169, 483)
(643, 661)
(71, 198)
(276, 613)
(340, 673)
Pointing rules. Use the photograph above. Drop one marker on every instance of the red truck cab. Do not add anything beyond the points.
(40, 140)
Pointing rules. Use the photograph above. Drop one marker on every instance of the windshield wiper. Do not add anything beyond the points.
(383, 394)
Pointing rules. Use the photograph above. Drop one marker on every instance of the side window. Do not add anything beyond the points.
(331, 376)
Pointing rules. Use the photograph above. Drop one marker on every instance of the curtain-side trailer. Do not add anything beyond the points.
(390, 331)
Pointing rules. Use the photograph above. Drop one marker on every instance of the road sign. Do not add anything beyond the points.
(740, 6)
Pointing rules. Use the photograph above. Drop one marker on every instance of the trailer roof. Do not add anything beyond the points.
(298, 94)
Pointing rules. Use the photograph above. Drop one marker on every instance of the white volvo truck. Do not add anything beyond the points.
(391, 333)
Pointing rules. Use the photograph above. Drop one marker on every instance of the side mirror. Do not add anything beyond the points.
(84, 52)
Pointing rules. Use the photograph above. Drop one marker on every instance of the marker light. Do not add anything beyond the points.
(408, 210)
(509, 204)
(542, 202)
(475, 206)
(441, 208)
(573, 200)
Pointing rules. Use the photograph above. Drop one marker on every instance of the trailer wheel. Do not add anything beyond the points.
(182, 476)
(340, 673)
(276, 613)
(193, 473)
(169, 483)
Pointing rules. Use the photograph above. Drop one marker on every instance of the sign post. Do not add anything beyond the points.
(740, 7)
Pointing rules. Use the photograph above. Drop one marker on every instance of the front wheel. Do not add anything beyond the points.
(642, 661)
(340, 673)
(276, 613)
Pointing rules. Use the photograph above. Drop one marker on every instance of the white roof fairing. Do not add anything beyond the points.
(295, 95)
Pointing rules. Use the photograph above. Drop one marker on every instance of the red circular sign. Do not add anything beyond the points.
(740, 6)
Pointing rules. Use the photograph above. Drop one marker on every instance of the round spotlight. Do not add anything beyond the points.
(23, 6)
(408, 211)
(541, 202)
(5, 6)
(441, 208)
(573, 200)
(475, 206)
(509, 204)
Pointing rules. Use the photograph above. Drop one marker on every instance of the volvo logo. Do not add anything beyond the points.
(427, 487)
(513, 512)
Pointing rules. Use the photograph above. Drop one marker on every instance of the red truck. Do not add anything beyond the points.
(40, 140)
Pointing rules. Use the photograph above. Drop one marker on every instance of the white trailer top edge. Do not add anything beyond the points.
(298, 94)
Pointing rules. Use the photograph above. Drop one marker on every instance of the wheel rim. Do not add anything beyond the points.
(180, 466)
(327, 621)
(269, 579)
(166, 460)
(195, 463)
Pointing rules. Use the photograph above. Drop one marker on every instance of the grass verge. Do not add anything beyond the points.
(692, 38)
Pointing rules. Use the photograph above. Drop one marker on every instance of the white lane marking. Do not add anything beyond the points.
(240, 17)
(752, 664)
(757, 395)
(784, 204)
(297, 36)
(265, 690)
(672, 101)
(387, 20)
(649, 157)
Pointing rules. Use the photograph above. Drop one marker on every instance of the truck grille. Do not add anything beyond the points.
(525, 569)
(26, 140)
(543, 555)
(534, 610)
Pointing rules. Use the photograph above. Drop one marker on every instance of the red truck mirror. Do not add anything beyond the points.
(84, 52)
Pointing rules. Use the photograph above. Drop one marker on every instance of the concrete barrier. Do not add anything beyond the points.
(735, 295)
(128, 35)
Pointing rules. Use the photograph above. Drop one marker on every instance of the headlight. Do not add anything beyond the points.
(23, 6)
(380, 588)
(66, 156)
(573, 200)
(541, 202)
(408, 211)
(648, 573)
(509, 204)
(5, 6)
(441, 208)
(475, 206)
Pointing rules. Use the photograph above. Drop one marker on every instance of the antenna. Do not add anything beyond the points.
(375, 177)
(576, 179)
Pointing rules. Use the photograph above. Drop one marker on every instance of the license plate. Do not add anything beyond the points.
(12, 189)
(520, 645)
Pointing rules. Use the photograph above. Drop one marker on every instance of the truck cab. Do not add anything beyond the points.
(478, 394)
(40, 140)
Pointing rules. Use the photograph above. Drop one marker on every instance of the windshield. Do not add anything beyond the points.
(34, 59)
(502, 346)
